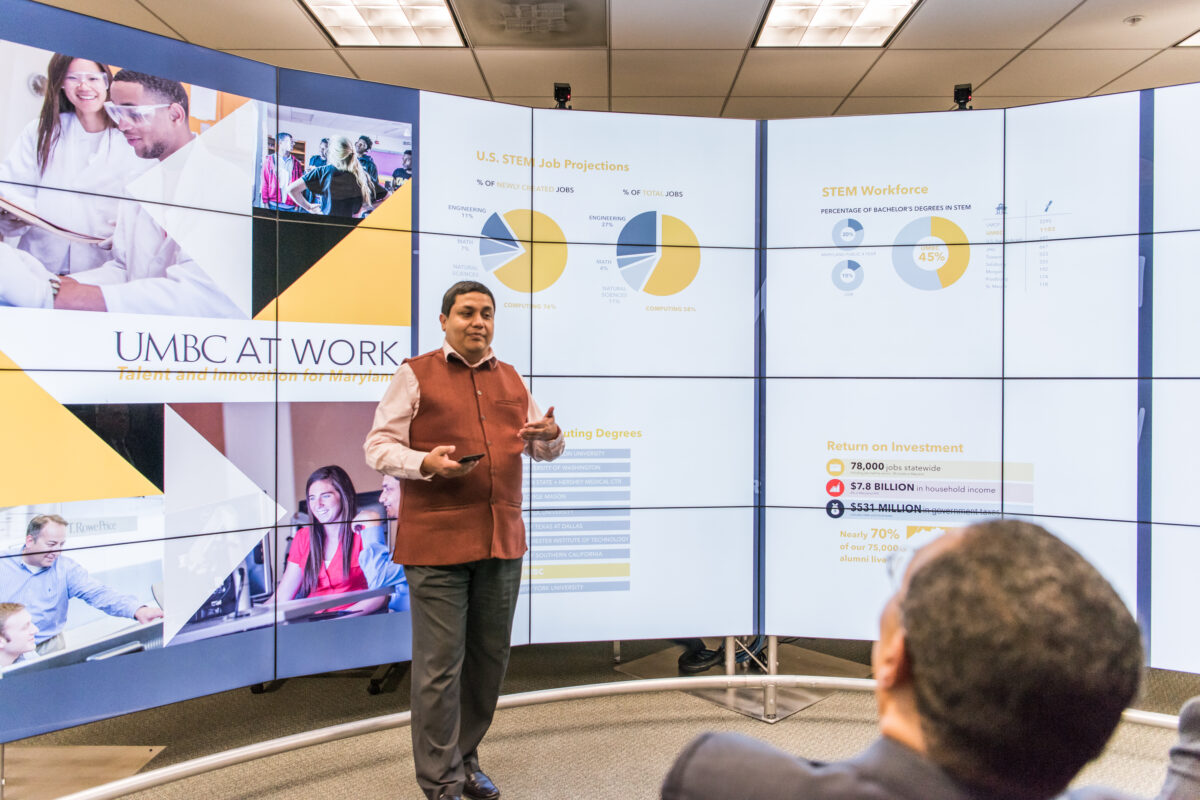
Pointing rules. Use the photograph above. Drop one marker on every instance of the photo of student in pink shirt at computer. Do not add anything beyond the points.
(323, 559)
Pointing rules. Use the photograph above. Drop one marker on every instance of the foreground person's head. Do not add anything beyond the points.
(1007, 658)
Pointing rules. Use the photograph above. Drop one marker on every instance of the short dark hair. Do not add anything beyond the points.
(1022, 655)
(167, 89)
(464, 287)
(34, 529)
(284, 135)
(368, 140)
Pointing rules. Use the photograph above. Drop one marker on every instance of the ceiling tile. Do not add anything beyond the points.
(1179, 65)
(534, 72)
(780, 107)
(684, 24)
(546, 101)
(665, 73)
(685, 106)
(450, 70)
(323, 61)
(1065, 73)
(235, 24)
(129, 13)
(930, 73)
(893, 105)
(502, 23)
(810, 73)
(1098, 24)
(940, 24)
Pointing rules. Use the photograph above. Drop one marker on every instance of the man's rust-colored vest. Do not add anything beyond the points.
(456, 520)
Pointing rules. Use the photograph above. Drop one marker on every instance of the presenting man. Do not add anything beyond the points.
(1003, 664)
(43, 580)
(453, 425)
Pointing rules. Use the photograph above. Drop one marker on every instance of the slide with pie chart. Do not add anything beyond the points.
(524, 250)
(598, 174)
(648, 309)
(904, 179)
(657, 254)
(475, 159)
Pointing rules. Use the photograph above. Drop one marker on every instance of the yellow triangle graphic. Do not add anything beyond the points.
(52, 457)
(366, 279)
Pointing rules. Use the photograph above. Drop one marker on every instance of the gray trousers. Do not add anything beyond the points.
(462, 616)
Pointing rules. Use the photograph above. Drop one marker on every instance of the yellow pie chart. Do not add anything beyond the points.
(525, 250)
(658, 254)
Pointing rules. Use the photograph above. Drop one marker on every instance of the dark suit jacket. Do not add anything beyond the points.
(1183, 773)
(732, 767)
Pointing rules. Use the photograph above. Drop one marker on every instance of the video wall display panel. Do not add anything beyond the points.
(335, 168)
(1071, 308)
(477, 162)
(684, 311)
(330, 558)
(628, 445)
(885, 311)
(344, 310)
(1176, 440)
(1071, 169)
(898, 452)
(445, 260)
(1176, 160)
(1071, 448)
(828, 577)
(639, 180)
(594, 592)
(923, 181)
(1173, 641)
(1176, 286)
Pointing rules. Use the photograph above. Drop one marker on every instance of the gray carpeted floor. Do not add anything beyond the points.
(607, 747)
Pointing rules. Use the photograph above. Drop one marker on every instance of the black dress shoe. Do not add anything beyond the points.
(480, 787)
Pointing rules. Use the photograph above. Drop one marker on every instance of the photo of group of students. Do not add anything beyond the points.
(72, 236)
(313, 162)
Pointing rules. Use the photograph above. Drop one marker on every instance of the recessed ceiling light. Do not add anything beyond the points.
(1191, 41)
(832, 23)
(387, 23)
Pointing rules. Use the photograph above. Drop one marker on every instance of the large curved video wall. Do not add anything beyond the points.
(779, 351)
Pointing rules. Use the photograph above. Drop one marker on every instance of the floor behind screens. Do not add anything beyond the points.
(604, 747)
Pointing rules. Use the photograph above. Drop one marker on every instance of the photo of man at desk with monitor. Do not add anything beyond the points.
(39, 577)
